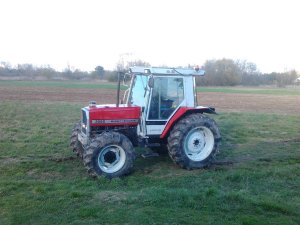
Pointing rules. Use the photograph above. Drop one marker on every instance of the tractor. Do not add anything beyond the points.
(159, 111)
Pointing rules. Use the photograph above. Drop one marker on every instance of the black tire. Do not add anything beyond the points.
(110, 154)
(75, 144)
(194, 141)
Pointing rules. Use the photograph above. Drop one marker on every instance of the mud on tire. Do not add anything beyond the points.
(194, 141)
(110, 154)
(75, 145)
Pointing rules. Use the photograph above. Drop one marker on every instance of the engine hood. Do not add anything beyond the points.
(110, 115)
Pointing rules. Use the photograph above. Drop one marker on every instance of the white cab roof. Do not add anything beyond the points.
(167, 71)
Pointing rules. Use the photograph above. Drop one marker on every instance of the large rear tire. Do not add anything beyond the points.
(75, 144)
(194, 141)
(110, 154)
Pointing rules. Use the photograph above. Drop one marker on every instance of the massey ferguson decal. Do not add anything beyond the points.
(115, 121)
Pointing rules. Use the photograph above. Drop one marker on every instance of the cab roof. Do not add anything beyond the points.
(166, 71)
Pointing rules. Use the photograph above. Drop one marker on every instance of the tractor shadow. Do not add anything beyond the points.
(162, 165)
(153, 163)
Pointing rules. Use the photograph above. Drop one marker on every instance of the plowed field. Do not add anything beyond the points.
(223, 102)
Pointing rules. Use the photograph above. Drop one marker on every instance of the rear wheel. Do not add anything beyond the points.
(110, 154)
(75, 145)
(194, 141)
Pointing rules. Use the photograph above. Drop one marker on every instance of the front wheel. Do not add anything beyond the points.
(110, 154)
(194, 141)
(75, 144)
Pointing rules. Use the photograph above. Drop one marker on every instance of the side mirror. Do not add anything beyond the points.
(151, 82)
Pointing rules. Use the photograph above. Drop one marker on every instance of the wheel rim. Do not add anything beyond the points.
(111, 158)
(199, 143)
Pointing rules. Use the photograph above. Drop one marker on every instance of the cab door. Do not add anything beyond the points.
(167, 95)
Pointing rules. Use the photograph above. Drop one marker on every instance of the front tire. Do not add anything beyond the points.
(194, 141)
(110, 154)
(75, 144)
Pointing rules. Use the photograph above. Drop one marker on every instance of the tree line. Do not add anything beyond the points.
(227, 72)
(28, 71)
(221, 72)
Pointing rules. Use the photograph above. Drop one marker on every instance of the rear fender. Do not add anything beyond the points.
(180, 113)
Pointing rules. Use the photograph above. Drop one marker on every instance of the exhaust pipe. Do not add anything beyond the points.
(119, 86)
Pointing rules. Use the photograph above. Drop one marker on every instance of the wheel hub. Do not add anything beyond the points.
(111, 158)
(198, 143)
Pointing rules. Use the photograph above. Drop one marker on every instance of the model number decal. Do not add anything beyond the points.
(115, 121)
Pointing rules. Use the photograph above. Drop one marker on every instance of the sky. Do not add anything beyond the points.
(86, 33)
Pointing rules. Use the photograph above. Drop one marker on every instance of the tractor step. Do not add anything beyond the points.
(149, 154)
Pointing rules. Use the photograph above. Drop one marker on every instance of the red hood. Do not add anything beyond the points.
(110, 115)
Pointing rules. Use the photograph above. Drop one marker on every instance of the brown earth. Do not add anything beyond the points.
(223, 102)
(82, 96)
(278, 104)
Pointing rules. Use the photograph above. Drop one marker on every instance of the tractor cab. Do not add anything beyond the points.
(161, 92)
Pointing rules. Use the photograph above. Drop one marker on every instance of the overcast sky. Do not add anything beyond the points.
(87, 33)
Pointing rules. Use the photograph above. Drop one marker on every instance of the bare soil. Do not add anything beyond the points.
(223, 102)
(102, 96)
(278, 104)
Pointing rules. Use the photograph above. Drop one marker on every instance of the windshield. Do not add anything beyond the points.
(138, 90)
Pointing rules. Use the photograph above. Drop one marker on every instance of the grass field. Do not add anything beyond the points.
(41, 182)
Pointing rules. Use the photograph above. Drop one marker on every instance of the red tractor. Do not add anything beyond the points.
(160, 111)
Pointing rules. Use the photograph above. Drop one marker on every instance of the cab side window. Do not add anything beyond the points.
(167, 95)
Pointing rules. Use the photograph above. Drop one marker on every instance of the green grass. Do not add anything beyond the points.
(42, 183)
(257, 90)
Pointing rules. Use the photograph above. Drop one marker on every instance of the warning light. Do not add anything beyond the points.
(147, 71)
